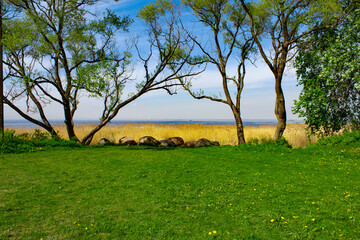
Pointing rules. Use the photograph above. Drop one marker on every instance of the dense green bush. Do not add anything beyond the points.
(269, 141)
(345, 138)
(12, 143)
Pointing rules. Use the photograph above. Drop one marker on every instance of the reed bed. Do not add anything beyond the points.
(224, 134)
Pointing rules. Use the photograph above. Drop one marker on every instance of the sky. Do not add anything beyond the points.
(257, 101)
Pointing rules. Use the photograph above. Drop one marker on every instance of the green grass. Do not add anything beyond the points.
(244, 192)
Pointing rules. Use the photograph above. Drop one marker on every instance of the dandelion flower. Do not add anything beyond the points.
(272, 220)
(214, 232)
(282, 218)
(210, 233)
(313, 219)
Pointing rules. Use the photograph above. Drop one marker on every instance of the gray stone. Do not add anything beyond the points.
(104, 141)
(149, 141)
(167, 142)
(189, 144)
(178, 141)
(128, 141)
(215, 143)
(203, 142)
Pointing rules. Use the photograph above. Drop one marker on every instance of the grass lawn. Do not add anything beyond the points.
(243, 192)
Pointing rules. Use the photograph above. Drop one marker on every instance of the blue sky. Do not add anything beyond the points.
(257, 100)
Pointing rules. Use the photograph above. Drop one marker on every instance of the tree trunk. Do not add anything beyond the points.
(69, 121)
(280, 110)
(46, 125)
(239, 128)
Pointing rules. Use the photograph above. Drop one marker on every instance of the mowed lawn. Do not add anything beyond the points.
(242, 192)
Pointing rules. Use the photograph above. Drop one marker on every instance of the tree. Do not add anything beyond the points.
(228, 41)
(282, 24)
(1, 73)
(328, 69)
(65, 54)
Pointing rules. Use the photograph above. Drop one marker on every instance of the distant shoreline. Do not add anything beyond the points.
(255, 122)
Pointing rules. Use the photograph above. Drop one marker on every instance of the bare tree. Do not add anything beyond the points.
(229, 40)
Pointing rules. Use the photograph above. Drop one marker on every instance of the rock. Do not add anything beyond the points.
(128, 141)
(103, 141)
(203, 142)
(149, 141)
(167, 142)
(190, 144)
(215, 143)
(178, 141)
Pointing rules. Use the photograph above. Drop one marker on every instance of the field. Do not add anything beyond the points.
(225, 134)
(226, 192)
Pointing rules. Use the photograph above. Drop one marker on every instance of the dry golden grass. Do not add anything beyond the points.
(225, 134)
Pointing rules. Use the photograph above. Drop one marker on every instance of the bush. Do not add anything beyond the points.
(269, 141)
(11, 143)
(345, 138)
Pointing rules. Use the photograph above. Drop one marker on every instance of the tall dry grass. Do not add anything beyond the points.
(225, 134)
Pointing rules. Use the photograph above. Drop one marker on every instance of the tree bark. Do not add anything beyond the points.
(69, 121)
(280, 110)
(239, 124)
(45, 125)
(240, 130)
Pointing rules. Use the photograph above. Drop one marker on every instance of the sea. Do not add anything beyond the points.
(254, 122)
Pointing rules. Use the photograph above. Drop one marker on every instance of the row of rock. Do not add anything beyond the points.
(168, 142)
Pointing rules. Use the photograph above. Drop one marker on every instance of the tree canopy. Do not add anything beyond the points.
(328, 69)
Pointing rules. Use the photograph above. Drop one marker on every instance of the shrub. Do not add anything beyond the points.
(11, 143)
(345, 138)
(269, 141)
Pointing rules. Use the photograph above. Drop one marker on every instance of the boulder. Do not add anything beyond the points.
(215, 143)
(178, 141)
(203, 142)
(104, 141)
(189, 144)
(167, 142)
(149, 141)
(128, 141)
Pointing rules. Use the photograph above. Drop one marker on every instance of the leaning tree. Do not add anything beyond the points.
(223, 40)
(66, 52)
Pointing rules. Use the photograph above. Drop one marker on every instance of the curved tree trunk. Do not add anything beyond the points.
(46, 125)
(280, 110)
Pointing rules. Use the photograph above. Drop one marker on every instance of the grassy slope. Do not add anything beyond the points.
(245, 192)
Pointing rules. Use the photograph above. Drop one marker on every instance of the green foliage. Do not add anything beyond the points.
(153, 10)
(328, 66)
(270, 141)
(37, 141)
(342, 139)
